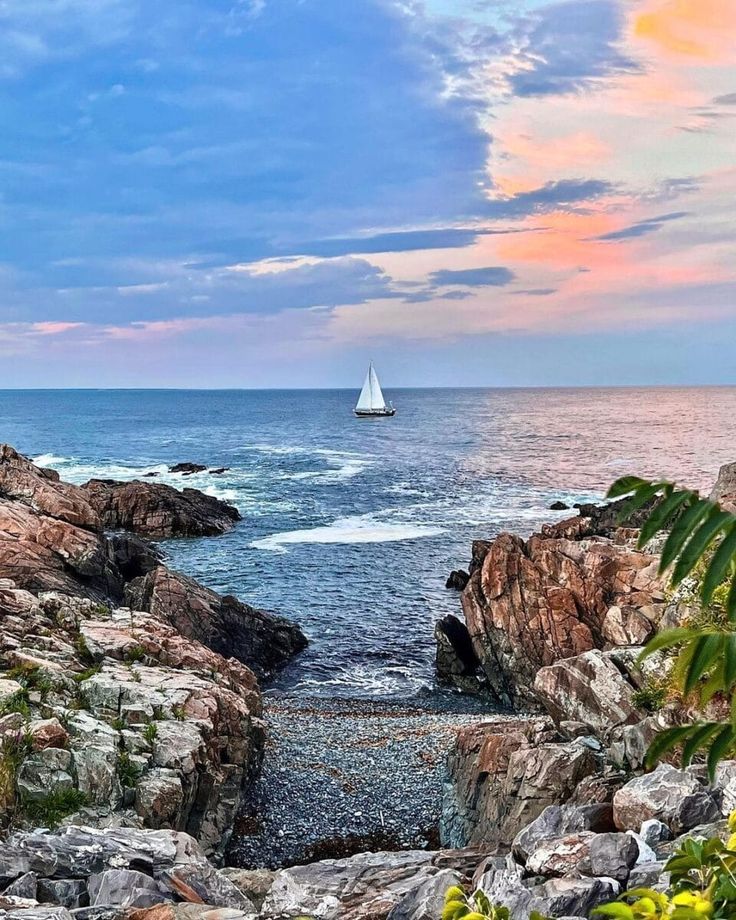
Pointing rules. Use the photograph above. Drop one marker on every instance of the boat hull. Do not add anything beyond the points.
(374, 413)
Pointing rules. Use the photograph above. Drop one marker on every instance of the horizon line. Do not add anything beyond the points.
(335, 389)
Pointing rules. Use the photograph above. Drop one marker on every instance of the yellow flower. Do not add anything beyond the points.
(732, 821)
(731, 844)
(685, 899)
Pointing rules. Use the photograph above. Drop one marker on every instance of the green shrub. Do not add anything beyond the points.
(83, 650)
(87, 673)
(16, 702)
(31, 677)
(135, 653)
(54, 807)
(128, 772)
(476, 906)
(14, 748)
(150, 732)
(652, 696)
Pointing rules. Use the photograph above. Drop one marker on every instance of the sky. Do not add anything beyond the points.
(269, 193)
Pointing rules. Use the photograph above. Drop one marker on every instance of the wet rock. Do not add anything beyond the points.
(559, 506)
(456, 662)
(613, 856)
(230, 627)
(187, 468)
(219, 471)
(457, 580)
(672, 796)
(587, 688)
(158, 510)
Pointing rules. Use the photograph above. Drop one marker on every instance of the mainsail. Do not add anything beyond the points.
(371, 397)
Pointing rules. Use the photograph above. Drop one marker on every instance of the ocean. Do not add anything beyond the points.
(350, 526)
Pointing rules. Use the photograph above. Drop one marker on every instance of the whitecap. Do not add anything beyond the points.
(364, 529)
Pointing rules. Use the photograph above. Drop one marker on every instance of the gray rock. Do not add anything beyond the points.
(558, 821)
(561, 855)
(69, 892)
(125, 888)
(425, 902)
(587, 688)
(213, 887)
(253, 883)
(25, 886)
(43, 772)
(670, 795)
(39, 913)
(649, 875)
(653, 832)
(646, 853)
(613, 856)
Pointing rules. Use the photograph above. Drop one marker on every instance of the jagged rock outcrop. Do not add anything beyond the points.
(724, 490)
(578, 585)
(147, 727)
(261, 640)
(158, 511)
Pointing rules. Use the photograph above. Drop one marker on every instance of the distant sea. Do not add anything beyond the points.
(351, 526)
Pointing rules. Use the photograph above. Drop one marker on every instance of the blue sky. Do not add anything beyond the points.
(267, 192)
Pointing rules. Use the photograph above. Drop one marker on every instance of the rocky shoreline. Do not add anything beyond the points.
(132, 730)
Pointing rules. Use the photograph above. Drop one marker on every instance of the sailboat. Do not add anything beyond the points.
(371, 402)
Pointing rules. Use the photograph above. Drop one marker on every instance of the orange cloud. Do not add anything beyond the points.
(701, 29)
(51, 328)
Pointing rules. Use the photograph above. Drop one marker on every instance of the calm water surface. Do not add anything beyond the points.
(350, 526)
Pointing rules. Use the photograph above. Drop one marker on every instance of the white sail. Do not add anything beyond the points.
(371, 397)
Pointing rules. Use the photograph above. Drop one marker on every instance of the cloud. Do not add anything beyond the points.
(641, 227)
(493, 276)
(726, 99)
(566, 46)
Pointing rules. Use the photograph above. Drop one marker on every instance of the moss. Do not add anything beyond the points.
(54, 807)
(87, 673)
(179, 714)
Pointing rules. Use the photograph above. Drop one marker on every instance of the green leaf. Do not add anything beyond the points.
(697, 740)
(715, 682)
(719, 564)
(699, 543)
(667, 638)
(729, 661)
(615, 909)
(724, 740)
(625, 486)
(681, 531)
(665, 741)
(731, 600)
(640, 498)
(662, 514)
(705, 649)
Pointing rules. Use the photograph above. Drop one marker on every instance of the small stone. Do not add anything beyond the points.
(613, 855)
(654, 832)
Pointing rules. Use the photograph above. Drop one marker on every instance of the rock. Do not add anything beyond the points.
(68, 892)
(649, 875)
(724, 490)
(48, 733)
(356, 888)
(26, 886)
(557, 821)
(559, 506)
(44, 771)
(531, 603)
(187, 468)
(561, 855)
(625, 626)
(209, 885)
(219, 471)
(457, 580)
(42, 491)
(125, 888)
(158, 510)
(613, 856)
(159, 797)
(501, 777)
(587, 688)
(230, 627)
(672, 796)
(654, 832)
(456, 662)
(425, 902)
(253, 883)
